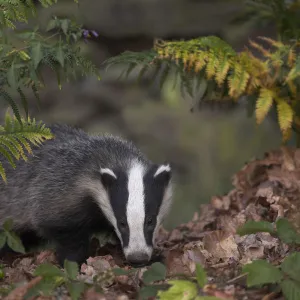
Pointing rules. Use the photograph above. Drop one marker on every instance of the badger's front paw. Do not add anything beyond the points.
(76, 252)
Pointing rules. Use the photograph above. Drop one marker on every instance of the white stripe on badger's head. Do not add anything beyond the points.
(135, 213)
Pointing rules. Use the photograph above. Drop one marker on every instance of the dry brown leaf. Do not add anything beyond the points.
(288, 159)
(221, 245)
(19, 292)
(91, 294)
(45, 257)
(175, 264)
(221, 203)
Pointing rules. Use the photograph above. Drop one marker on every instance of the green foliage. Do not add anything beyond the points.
(156, 272)
(24, 54)
(269, 73)
(120, 271)
(290, 289)
(261, 272)
(284, 14)
(7, 236)
(284, 230)
(251, 227)
(17, 137)
(2, 273)
(286, 275)
(179, 290)
(16, 10)
(201, 276)
(52, 277)
(71, 269)
(272, 76)
(291, 266)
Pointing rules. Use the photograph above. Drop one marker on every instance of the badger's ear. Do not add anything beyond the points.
(107, 176)
(163, 172)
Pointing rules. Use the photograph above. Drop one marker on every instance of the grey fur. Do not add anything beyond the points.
(59, 175)
(41, 187)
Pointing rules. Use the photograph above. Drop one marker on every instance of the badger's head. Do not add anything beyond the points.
(137, 202)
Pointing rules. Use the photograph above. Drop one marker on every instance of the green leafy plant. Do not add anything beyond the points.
(261, 272)
(15, 137)
(180, 289)
(286, 275)
(24, 55)
(2, 273)
(282, 229)
(269, 78)
(156, 272)
(168, 289)
(285, 15)
(52, 277)
(7, 236)
(223, 73)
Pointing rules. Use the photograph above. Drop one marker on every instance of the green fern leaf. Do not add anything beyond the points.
(23, 141)
(24, 101)
(212, 65)
(2, 173)
(12, 78)
(9, 146)
(285, 115)
(8, 156)
(164, 75)
(12, 103)
(14, 136)
(263, 104)
(37, 54)
(222, 70)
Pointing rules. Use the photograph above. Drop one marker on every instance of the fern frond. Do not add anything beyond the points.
(272, 42)
(129, 57)
(12, 11)
(15, 136)
(263, 104)
(222, 69)
(285, 115)
(294, 72)
(229, 74)
(260, 48)
(237, 81)
(212, 65)
(2, 172)
(291, 57)
(4, 95)
(200, 61)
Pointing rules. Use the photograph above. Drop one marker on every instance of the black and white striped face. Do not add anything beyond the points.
(139, 200)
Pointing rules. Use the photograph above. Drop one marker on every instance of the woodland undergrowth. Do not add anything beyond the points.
(247, 238)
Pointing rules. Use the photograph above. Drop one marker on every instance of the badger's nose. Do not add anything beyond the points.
(138, 258)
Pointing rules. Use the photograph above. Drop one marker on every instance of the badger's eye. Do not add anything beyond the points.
(122, 224)
(149, 221)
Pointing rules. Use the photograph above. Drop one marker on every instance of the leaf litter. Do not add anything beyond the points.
(264, 190)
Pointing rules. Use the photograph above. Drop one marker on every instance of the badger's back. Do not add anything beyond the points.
(58, 181)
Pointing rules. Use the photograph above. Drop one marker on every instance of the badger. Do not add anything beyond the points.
(78, 184)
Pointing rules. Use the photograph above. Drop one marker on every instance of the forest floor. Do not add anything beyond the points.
(264, 189)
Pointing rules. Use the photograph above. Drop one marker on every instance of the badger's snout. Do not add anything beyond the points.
(138, 258)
